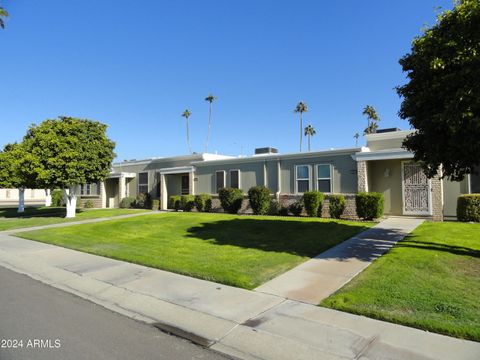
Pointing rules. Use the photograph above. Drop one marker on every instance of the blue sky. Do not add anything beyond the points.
(137, 65)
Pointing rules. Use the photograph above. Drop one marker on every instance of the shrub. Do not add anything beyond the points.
(274, 208)
(296, 208)
(369, 205)
(283, 211)
(57, 198)
(231, 199)
(187, 202)
(201, 202)
(208, 204)
(127, 202)
(143, 201)
(88, 204)
(336, 205)
(174, 202)
(155, 204)
(313, 201)
(468, 208)
(259, 198)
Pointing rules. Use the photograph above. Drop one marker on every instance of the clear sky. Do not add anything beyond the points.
(136, 65)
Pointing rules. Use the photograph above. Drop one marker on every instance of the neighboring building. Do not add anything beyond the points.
(382, 166)
(32, 197)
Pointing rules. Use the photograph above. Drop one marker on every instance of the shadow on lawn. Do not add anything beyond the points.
(11, 213)
(410, 242)
(302, 238)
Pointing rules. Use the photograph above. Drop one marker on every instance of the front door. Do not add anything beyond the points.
(185, 185)
(417, 198)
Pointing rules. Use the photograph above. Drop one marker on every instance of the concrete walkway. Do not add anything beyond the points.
(318, 278)
(237, 322)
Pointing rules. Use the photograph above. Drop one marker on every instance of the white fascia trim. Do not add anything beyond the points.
(116, 175)
(389, 135)
(384, 155)
(176, 170)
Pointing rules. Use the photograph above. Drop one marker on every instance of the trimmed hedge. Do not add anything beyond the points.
(283, 211)
(127, 202)
(468, 208)
(369, 205)
(188, 202)
(296, 208)
(174, 202)
(336, 206)
(231, 199)
(313, 201)
(88, 204)
(143, 201)
(57, 198)
(274, 208)
(259, 198)
(203, 202)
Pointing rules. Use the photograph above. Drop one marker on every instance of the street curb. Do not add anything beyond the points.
(185, 334)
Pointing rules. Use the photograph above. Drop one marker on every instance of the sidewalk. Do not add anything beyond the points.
(240, 323)
(318, 278)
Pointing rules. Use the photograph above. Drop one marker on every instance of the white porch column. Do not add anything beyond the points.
(121, 188)
(103, 195)
(163, 192)
(265, 176)
(279, 179)
(191, 183)
(362, 177)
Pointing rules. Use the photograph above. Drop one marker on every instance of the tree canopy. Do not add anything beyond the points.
(68, 152)
(16, 167)
(372, 117)
(3, 16)
(441, 99)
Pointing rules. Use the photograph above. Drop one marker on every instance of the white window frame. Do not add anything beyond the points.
(138, 182)
(329, 178)
(224, 180)
(309, 178)
(239, 176)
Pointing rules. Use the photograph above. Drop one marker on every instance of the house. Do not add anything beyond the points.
(381, 166)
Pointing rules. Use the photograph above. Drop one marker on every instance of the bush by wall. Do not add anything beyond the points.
(188, 202)
(283, 211)
(296, 208)
(336, 206)
(174, 202)
(259, 198)
(201, 201)
(369, 205)
(231, 199)
(127, 202)
(155, 204)
(143, 201)
(468, 208)
(313, 201)
(274, 208)
(57, 198)
(88, 204)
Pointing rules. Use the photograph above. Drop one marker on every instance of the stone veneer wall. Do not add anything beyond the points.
(97, 201)
(437, 199)
(362, 178)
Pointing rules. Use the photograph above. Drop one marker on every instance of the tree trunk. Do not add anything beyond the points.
(301, 131)
(188, 138)
(48, 198)
(21, 200)
(209, 127)
(70, 201)
(309, 136)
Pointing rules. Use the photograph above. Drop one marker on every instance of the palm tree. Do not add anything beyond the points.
(3, 15)
(372, 118)
(301, 108)
(309, 131)
(186, 114)
(210, 98)
(356, 136)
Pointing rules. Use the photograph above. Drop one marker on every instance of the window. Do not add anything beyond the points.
(235, 179)
(143, 183)
(219, 180)
(302, 173)
(90, 189)
(324, 178)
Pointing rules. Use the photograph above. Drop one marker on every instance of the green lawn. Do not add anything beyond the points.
(36, 216)
(242, 251)
(431, 281)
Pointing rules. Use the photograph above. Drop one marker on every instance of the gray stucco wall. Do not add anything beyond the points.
(385, 144)
(390, 186)
(451, 191)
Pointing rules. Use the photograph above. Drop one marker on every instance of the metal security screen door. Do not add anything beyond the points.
(417, 198)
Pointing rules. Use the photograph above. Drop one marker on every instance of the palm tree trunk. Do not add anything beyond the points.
(188, 139)
(209, 126)
(309, 136)
(301, 131)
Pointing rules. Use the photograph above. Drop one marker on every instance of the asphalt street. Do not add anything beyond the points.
(40, 322)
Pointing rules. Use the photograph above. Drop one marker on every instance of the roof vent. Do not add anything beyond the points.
(266, 150)
(381, 131)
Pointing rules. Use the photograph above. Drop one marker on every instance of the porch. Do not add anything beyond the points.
(116, 188)
(175, 181)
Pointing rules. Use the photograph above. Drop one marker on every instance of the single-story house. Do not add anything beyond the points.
(381, 166)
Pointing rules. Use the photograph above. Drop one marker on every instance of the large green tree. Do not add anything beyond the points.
(68, 152)
(441, 99)
(16, 171)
